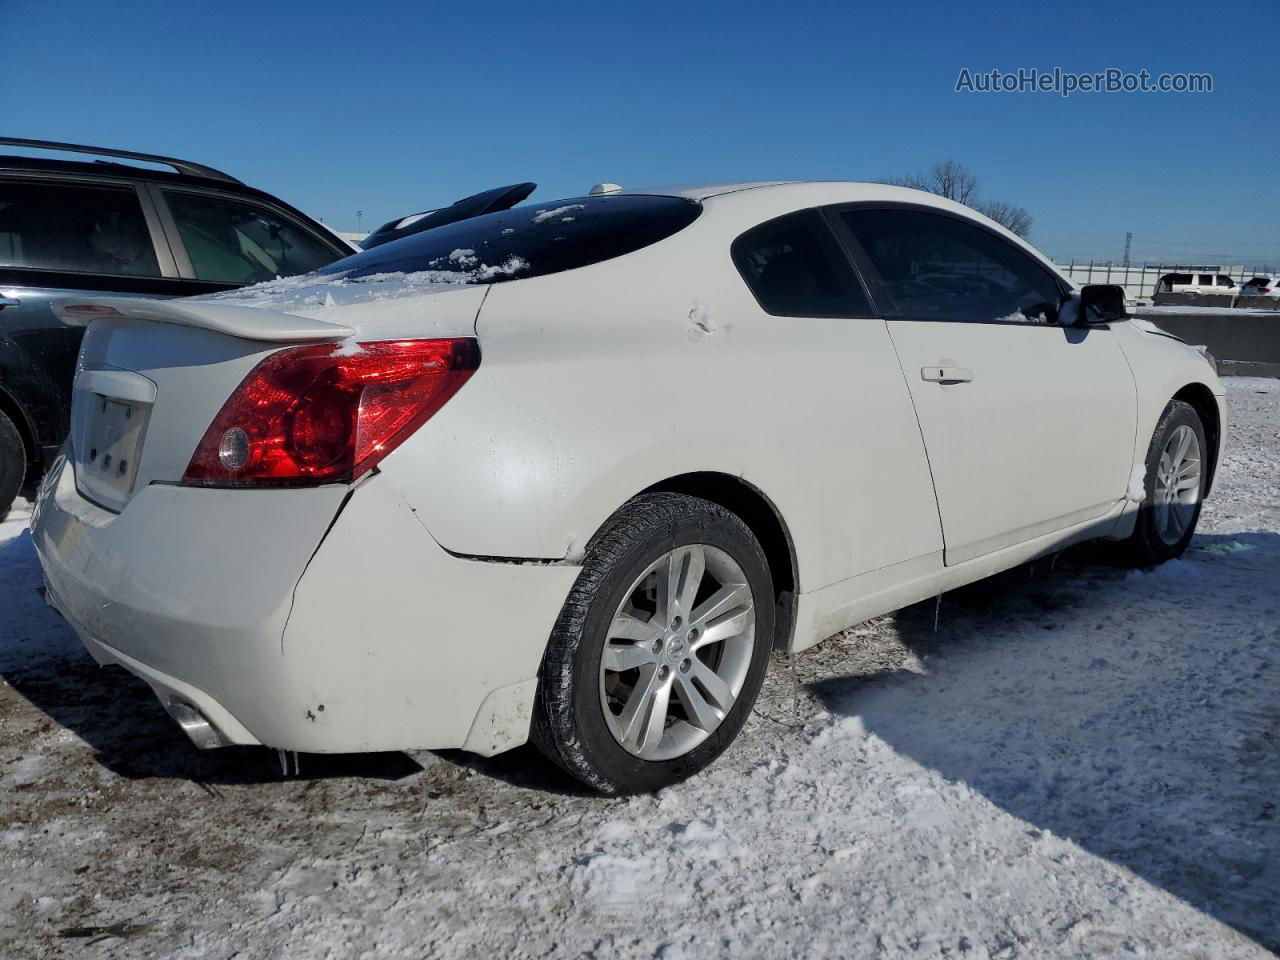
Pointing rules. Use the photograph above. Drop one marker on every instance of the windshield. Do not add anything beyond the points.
(528, 241)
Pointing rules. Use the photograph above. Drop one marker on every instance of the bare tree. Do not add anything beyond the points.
(955, 182)
(915, 181)
(947, 179)
(1013, 219)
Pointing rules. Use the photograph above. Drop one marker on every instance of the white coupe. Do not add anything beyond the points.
(570, 471)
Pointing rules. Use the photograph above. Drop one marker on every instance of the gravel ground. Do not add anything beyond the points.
(1079, 762)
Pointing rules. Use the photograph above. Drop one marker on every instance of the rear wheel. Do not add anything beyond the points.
(660, 650)
(1174, 486)
(13, 463)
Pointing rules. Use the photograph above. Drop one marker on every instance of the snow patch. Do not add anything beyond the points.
(1019, 317)
(349, 348)
(614, 883)
(1226, 549)
(1137, 491)
(312, 291)
(27, 770)
(1089, 774)
(542, 216)
(1177, 571)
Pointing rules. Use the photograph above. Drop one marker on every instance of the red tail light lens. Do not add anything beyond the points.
(319, 414)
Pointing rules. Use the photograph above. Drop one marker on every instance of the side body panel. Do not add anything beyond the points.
(598, 383)
(1039, 439)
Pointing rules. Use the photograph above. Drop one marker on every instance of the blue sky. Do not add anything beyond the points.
(393, 107)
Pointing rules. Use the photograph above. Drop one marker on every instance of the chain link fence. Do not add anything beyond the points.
(1140, 281)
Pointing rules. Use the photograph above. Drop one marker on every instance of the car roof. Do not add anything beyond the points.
(821, 191)
(699, 191)
(112, 170)
(798, 193)
(776, 197)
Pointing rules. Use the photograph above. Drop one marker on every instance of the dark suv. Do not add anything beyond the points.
(112, 227)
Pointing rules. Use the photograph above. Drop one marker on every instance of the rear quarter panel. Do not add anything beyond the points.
(600, 382)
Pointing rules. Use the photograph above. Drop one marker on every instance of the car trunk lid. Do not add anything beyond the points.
(153, 374)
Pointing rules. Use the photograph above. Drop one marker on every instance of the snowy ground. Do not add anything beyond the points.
(1079, 763)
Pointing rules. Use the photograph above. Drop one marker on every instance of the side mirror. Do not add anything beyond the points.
(1101, 303)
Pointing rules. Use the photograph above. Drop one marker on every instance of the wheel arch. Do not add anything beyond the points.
(12, 409)
(1205, 404)
(758, 512)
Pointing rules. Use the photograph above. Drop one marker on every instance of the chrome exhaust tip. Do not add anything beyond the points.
(195, 725)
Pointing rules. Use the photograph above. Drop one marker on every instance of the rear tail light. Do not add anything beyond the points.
(319, 414)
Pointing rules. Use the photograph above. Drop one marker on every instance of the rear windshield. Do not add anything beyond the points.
(527, 241)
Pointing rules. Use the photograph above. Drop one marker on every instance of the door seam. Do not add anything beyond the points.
(928, 461)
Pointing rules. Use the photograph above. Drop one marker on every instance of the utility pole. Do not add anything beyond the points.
(1128, 240)
(359, 221)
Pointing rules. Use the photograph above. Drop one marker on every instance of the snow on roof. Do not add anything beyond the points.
(839, 189)
(699, 191)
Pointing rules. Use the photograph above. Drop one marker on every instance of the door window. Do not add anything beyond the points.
(230, 241)
(74, 228)
(936, 267)
(794, 267)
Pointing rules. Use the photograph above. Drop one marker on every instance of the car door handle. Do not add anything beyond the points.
(946, 374)
(9, 302)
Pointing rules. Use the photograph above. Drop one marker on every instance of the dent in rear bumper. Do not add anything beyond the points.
(185, 586)
(408, 646)
(291, 624)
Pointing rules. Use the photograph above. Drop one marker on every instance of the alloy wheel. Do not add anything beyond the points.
(1177, 485)
(677, 653)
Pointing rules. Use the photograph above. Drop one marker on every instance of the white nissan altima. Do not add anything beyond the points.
(570, 471)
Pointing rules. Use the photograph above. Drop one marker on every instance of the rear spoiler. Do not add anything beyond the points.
(490, 201)
(247, 323)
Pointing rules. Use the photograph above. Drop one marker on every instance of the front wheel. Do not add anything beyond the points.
(1177, 462)
(660, 650)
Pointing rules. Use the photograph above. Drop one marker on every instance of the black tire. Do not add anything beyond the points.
(13, 464)
(568, 723)
(1145, 547)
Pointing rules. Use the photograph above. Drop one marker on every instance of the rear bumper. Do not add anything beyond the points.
(318, 620)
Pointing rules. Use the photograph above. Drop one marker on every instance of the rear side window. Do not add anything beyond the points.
(74, 229)
(230, 241)
(935, 267)
(795, 268)
(1206, 279)
(528, 241)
